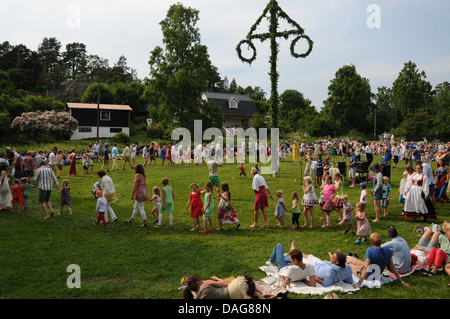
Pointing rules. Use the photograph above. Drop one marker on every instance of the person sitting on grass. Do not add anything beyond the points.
(377, 258)
(439, 257)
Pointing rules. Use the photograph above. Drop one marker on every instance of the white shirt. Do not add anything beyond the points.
(101, 205)
(295, 273)
(51, 159)
(107, 185)
(363, 197)
(258, 181)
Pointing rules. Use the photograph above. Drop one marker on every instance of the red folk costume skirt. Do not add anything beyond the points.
(261, 200)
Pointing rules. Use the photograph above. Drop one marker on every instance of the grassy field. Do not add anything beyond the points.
(134, 262)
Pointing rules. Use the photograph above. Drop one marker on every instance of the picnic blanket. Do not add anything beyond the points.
(390, 274)
(274, 285)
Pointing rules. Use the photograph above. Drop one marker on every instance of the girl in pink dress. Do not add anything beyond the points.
(328, 191)
(195, 201)
(362, 223)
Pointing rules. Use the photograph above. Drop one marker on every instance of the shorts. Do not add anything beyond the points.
(352, 172)
(395, 159)
(44, 196)
(214, 179)
(384, 203)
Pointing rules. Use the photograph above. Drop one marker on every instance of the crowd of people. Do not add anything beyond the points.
(420, 189)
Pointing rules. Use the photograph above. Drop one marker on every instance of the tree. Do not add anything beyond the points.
(384, 118)
(22, 65)
(53, 71)
(293, 107)
(49, 54)
(106, 94)
(180, 73)
(349, 99)
(410, 91)
(75, 59)
(121, 72)
(131, 94)
(441, 109)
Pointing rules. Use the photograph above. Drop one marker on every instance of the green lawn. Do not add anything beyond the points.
(134, 262)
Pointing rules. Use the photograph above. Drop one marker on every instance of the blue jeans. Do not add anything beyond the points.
(279, 257)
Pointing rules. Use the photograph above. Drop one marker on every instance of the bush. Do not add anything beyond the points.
(121, 138)
(155, 131)
(58, 124)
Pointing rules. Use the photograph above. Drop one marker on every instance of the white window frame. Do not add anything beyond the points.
(233, 103)
(103, 118)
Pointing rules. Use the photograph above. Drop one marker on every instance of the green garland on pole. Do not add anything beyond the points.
(273, 13)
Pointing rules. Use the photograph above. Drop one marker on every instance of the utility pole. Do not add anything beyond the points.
(98, 109)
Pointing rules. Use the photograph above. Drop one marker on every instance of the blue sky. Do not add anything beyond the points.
(416, 30)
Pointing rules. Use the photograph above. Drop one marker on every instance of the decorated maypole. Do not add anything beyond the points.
(273, 13)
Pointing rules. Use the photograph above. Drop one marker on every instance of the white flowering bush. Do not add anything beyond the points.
(58, 124)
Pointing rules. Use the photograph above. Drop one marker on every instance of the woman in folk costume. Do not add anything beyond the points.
(418, 203)
(261, 190)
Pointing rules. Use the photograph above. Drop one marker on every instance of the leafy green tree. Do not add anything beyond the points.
(410, 91)
(180, 73)
(75, 59)
(53, 71)
(121, 72)
(106, 94)
(22, 65)
(293, 107)
(12, 105)
(441, 109)
(384, 115)
(349, 99)
(49, 54)
(42, 103)
(132, 95)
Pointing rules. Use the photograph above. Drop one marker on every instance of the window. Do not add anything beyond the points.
(105, 116)
(84, 129)
(233, 103)
(115, 130)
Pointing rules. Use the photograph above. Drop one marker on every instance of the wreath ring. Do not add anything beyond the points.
(294, 43)
(252, 47)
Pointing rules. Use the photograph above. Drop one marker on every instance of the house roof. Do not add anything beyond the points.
(115, 107)
(246, 105)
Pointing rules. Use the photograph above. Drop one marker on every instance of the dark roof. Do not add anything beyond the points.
(246, 106)
(116, 107)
